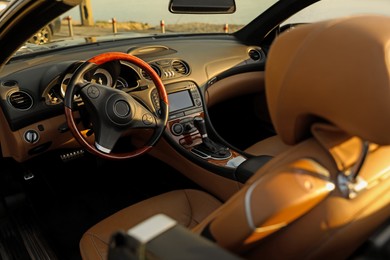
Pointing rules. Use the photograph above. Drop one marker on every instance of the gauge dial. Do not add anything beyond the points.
(52, 94)
(121, 84)
(52, 97)
(101, 76)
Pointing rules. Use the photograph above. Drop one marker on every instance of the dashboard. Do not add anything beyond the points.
(32, 87)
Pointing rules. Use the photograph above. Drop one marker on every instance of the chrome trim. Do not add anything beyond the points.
(102, 149)
(247, 202)
(349, 183)
(20, 91)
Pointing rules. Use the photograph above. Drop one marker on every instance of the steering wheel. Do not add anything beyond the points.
(113, 112)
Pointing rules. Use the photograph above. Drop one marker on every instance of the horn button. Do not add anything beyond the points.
(119, 110)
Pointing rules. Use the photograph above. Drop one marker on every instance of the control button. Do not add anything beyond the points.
(147, 119)
(93, 92)
(189, 128)
(177, 115)
(41, 128)
(177, 129)
(186, 120)
(193, 111)
(31, 136)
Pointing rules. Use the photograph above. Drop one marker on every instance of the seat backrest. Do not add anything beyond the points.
(328, 91)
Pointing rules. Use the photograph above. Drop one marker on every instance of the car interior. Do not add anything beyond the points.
(269, 142)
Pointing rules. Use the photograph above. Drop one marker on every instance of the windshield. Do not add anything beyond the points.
(148, 14)
(102, 20)
(132, 12)
(134, 18)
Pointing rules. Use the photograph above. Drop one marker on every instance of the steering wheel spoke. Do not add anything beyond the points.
(105, 139)
(113, 112)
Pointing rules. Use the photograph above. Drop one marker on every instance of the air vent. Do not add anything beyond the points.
(20, 100)
(180, 67)
(255, 54)
(155, 68)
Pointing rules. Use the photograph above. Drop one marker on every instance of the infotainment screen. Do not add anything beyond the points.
(179, 100)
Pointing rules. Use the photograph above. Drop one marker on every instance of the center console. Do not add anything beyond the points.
(186, 126)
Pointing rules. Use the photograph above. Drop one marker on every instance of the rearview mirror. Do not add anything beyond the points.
(202, 6)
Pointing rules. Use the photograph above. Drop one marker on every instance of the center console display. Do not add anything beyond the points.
(180, 100)
(184, 99)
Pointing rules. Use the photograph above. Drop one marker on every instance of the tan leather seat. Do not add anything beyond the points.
(328, 91)
(188, 207)
(270, 146)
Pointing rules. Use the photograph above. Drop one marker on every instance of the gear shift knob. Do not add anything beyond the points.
(200, 124)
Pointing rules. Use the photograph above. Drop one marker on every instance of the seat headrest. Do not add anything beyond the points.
(336, 71)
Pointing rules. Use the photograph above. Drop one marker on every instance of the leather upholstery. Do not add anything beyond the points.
(333, 229)
(328, 89)
(187, 207)
(338, 71)
(270, 146)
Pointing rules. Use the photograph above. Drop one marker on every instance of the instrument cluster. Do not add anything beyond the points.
(115, 74)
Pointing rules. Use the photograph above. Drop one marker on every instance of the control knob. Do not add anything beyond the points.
(31, 136)
(177, 129)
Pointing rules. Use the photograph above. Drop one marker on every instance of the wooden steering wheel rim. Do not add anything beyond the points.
(99, 60)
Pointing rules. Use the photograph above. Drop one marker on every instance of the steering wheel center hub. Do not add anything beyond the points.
(121, 108)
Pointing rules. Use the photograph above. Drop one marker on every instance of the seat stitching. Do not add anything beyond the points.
(189, 204)
(93, 237)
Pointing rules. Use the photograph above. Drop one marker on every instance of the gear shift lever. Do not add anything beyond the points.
(200, 124)
(208, 146)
